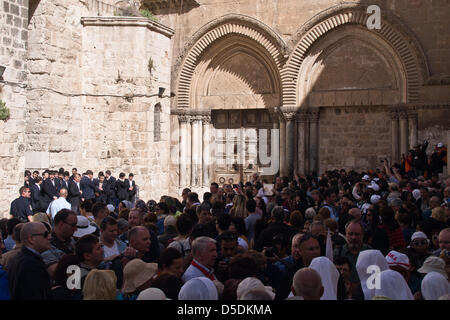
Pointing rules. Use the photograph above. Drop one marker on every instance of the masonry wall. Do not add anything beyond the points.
(13, 46)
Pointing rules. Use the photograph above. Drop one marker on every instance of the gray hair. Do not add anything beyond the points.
(200, 244)
(256, 294)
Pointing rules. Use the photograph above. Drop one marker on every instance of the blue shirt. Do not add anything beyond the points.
(4, 288)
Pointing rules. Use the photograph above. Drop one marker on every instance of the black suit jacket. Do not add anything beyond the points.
(133, 192)
(49, 191)
(110, 188)
(28, 278)
(74, 193)
(100, 195)
(36, 197)
(122, 189)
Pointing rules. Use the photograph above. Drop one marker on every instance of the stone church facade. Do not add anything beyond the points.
(218, 90)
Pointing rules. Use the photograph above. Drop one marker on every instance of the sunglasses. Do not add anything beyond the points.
(45, 234)
(420, 243)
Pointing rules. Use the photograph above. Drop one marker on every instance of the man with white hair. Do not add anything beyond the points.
(307, 284)
(27, 274)
(204, 251)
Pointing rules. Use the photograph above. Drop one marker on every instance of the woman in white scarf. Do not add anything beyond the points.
(434, 286)
(329, 275)
(366, 260)
(393, 286)
(252, 283)
(200, 288)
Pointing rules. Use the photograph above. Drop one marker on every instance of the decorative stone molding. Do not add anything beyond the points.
(128, 22)
(220, 28)
(404, 43)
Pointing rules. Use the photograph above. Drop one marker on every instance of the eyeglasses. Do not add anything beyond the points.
(45, 234)
(420, 243)
(73, 225)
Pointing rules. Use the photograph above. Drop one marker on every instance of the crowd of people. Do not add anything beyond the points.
(311, 237)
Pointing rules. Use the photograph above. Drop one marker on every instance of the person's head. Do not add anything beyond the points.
(214, 187)
(139, 238)
(278, 214)
(238, 226)
(10, 224)
(296, 219)
(242, 266)
(309, 248)
(135, 218)
(138, 275)
(100, 285)
(439, 214)
(435, 202)
(130, 176)
(185, 193)
(399, 262)
(89, 250)
(36, 236)
(444, 239)
(25, 192)
(355, 213)
(109, 229)
(251, 206)
(16, 233)
(100, 211)
(307, 284)
(344, 266)
(204, 213)
(295, 246)
(184, 224)
(171, 261)
(65, 223)
(223, 222)
(63, 193)
(74, 171)
(354, 233)
(317, 228)
(228, 244)
(330, 196)
(90, 174)
(204, 251)
(419, 242)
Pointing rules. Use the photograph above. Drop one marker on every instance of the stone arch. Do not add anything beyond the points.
(243, 27)
(392, 32)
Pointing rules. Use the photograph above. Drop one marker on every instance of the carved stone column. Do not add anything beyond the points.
(289, 116)
(395, 157)
(282, 146)
(301, 142)
(207, 148)
(313, 140)
(196, 149)
(185, 128)
(403, 122)
(413, 128)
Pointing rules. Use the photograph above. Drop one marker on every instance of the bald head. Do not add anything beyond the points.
(35, 236)
(435, 202)
(63, 193)
(355, 213)
(307, 284)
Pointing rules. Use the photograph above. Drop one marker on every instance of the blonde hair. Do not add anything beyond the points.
(438, 213)
(239, 209)
(100, 285)
(42, 217)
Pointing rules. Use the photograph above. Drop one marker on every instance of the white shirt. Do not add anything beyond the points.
(108, 252)
(194, 272)
(58, 204)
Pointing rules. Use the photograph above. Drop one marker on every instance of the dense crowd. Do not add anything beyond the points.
(380, 234)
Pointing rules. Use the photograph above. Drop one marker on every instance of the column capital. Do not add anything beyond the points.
(313, 116)
(206, 119)
(302, 117)
(184, 118)
(393, 113)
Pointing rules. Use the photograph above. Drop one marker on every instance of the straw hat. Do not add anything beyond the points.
(136, 273)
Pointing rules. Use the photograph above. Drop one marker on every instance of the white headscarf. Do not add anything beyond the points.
(252, 283)
(434, 286)
(368, 258)
(393, 286)
(329, 275)
(152, 294)
(200, 288)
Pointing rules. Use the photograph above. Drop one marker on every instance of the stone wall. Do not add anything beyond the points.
(353, 138)
(90, 97)
(13, 46)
